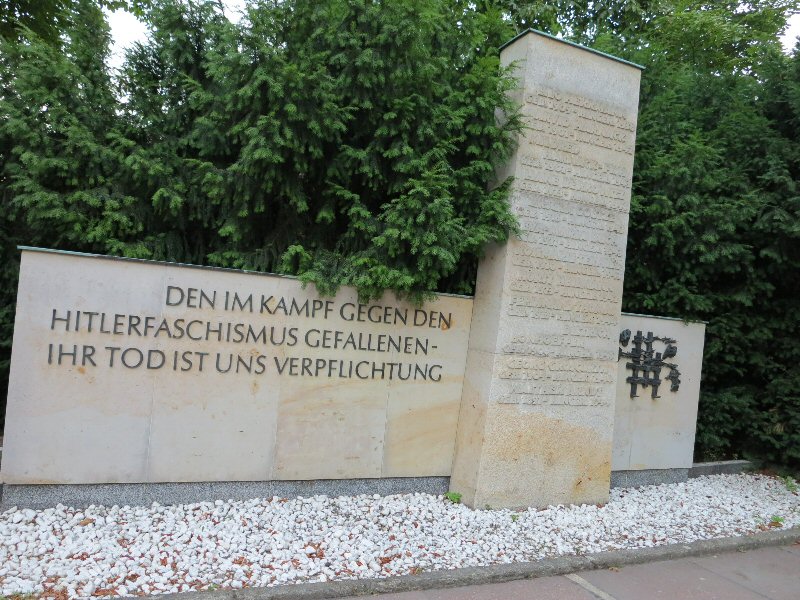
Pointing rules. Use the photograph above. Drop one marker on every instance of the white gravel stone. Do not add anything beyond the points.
(103, 551)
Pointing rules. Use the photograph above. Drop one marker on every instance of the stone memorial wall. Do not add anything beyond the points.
(132, 371)
(137, 372)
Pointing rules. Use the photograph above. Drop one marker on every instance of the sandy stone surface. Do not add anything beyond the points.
(136, 371)
(537, 410)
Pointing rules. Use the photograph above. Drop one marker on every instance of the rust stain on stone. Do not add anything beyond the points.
(534, 456)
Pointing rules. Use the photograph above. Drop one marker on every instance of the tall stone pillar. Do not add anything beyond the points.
(537, 409)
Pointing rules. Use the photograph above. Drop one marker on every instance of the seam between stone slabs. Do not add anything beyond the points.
(547, 567)
(595, 591)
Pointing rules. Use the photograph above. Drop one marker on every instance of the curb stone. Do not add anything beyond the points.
(545, 567)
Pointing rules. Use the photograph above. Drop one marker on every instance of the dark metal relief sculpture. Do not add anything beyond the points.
(646, 364)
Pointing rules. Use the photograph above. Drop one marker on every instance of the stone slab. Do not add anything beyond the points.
(620, 479)
(771, 572)
(678, 579)
(658, 433)
(550, 588)
(144, 494)
(537, 409)
(722, 467)
(211, 375)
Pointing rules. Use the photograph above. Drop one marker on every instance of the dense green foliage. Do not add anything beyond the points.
(347, 142)
(352, 143)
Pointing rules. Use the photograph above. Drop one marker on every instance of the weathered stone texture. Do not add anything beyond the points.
(96, 423)
(537, 411)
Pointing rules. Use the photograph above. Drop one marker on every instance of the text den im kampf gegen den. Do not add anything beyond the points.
(269, 323)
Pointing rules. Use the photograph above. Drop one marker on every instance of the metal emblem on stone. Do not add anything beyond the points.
(646, 364)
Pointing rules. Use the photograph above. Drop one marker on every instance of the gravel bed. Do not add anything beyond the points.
(127, 551)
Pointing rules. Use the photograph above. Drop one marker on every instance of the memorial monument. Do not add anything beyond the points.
(133, 381)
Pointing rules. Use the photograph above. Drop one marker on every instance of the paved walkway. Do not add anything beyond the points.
(772, 573)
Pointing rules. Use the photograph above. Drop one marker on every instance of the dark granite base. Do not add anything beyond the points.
(144, 494)
(647, 477)
(659, 476)
(722, 467)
